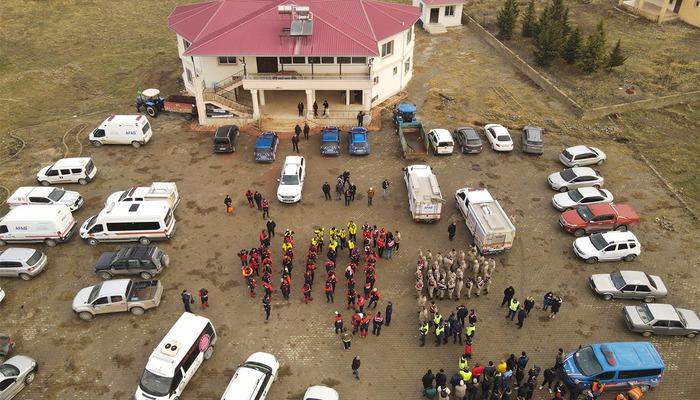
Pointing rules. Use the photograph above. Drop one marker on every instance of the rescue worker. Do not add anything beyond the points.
(352, 230)
(597, 388)
(370, 196)
(258, 199)
(267, 307)
(338, 323)
(306, 291)
(285, 287)
(423, 331)
(377, 323)
(328, 288)
(374, 297)
(439, 334)
(635, 393)
(346, 338)
(437, 319)
(265, 210)
(463, 362)
(251, 286)
(326, 191)
(364, 325)
(228, 202)
(470, 331)
(249, 197)
(513, 306)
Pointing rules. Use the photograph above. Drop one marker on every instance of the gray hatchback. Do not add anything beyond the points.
(468, 140)
(533, 139)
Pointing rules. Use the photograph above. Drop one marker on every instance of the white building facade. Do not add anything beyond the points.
(436, 15)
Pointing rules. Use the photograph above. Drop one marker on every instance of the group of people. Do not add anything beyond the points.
(255, 200)
(346, 189)
(550, 303)
(461, 321)
(446, 276)
(300, 108)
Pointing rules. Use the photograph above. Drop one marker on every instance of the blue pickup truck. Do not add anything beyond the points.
(358, 141)
(330, 141)
(266, 147)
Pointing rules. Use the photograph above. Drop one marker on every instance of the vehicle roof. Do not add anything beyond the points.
(467, 129)
(534, 132)
(635, 277)
(263, 358)
(442, 134)
(73, 161)
(223, 131)
(185, 331)
(500, 129)
(590, 191)
(265, 139)
(615, 236)
(574, 150)
(114, 286)
(321, 393)
(155, 207)
(580, 171)
(247, 382)
(293, 160)
(125, 119)
(629, 355)
(16, 253)
(138, 251)
(35, 190)
(663, 311)
(35, 213)
(330, 134)
(492, 215)
(477, 195)
(406, 108)
(424, 182)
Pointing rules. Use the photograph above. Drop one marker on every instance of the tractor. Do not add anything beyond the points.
(150, 100)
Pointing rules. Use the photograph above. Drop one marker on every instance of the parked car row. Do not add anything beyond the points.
(468, 141)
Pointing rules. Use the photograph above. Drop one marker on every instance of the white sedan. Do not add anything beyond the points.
(15, 374)
(321, 393)
(581, 155)
(581, 196)
(292, 180)
(573, 178)
(499, 137)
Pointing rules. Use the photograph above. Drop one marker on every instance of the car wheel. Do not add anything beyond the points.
(82, 181)
(86, 316)
(621, 228)
(563, 189)
(648, 299)
(50, 242)
(44, 183)
(208, 352)
(151, 111)
(144, 241)
(105, 275)
(691, 335)
(93, 242)
(3, 243)
(600, 162)
(96, 143)
(25, 277)
(629, 257)
(592, 260)
(596, 186)
(607, 296)
(137, 311)
(579, 232)
(135, 144)
(646, 333)
(29, 378)
(145, 275)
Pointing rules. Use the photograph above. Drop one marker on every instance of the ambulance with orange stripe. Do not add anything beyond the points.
(130, 222)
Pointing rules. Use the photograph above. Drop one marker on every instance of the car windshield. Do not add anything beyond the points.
(155, 385)
(575, 195)
(34, 258)
(585, 213)
(289, 180)
(359, 139)
(644, 313)
(91, 221)
(263, 150)
(221, 140)
(473, 141)
(94, 292)
(587, 362)
(504, 138)
(617, 280)
(8, 370)
(651, 281)
(57, 194)
(599, 241)
(146, 128)
(567, 175)
(566, 155)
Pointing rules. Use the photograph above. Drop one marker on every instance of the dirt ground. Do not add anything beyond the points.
(103, 359)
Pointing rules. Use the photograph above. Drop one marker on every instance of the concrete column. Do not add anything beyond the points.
(347, 98)
(310, 95)
(262, 97)
(199, 100)
(256, 106)
(366, 100)
(662, 14)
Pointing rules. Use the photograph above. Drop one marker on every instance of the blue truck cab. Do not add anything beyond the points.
(619, 366)
(358, 141)
(404, 112)
(266, 147)
(330, 141)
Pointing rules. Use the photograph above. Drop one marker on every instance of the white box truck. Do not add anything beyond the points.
(122, 129)
(158, 191)
(492, 230)
(424, 196)
(51, 224)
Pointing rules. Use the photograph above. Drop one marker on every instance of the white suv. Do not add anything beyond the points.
(579, 156)
(21, 262)
(253, 378)
(292, 180)
(68, 170)
(608, 246)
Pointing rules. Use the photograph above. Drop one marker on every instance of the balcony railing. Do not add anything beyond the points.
(291, 75)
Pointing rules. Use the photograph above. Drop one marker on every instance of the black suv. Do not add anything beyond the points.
(145, 261)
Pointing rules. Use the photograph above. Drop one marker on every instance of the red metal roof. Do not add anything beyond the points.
(442, 2)
(253, 27)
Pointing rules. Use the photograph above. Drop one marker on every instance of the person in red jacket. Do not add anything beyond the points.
(351, 299)
(251, 286)
(306, 291)
(285, 286)
(377, 323)
(468, 348)
(268, 289)
(356, 321)
(374, 297)
(477, 371)
(328, 288)
(338, 323)
(361, 303)
(364, 325)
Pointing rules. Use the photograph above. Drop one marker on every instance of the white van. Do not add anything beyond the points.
(441, 141)
(127, 222)
(68, 170)
(122, 129)
(177, 357)
(37, 195)
(158, 191)
(51, 224)
(253, 378)
(424, 195)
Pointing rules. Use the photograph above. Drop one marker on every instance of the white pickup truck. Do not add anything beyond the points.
(424, 195)
(32, 195)
(492, 230)
(157, 191)
(117, 295)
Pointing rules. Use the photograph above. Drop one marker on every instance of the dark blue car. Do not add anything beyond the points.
(266, 147)
(358, 141)
(330, 141)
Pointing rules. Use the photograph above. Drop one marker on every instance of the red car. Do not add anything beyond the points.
(598, 217)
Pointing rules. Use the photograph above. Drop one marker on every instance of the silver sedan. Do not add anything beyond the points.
(574, 178)
(15, 374)
(661, 319)
(628, 285)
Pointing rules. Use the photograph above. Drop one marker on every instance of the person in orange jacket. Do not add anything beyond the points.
(364, 325)
(306, 291)
(328, 288)
(338, 323)
(635, 393)
(361, 303)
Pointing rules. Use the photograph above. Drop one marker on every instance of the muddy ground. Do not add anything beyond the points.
(103, 359)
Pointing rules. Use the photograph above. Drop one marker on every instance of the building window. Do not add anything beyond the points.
(359, 60)
(327, 60)
(407, 65)
(450, 11)
(298, 60)
(227, 60)
(285, 60)
(186, 43)
(344, 60)
(388, 49)
(376, 80)
(189, 75)
(396, 70)
(409, 35)
(314, 60)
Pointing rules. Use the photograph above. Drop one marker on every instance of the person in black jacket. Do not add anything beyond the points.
(441, 378)
(451, 230)
(327, 191)
(306, 131)
(507, 295)
(428, 379)
(549, 375)
(356, 367)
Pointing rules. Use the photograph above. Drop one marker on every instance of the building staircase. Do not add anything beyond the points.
(435, 28)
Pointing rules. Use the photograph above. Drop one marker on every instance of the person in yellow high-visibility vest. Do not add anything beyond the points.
(513, 308)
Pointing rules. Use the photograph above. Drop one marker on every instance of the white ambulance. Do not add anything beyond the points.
(51, 224)
(122, 129)
(130, 222)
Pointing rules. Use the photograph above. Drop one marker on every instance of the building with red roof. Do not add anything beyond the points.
(257, 57)
(437, 15)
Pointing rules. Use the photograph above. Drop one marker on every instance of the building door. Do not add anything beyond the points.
(677, 7)
(434, 15)
(266, 64)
